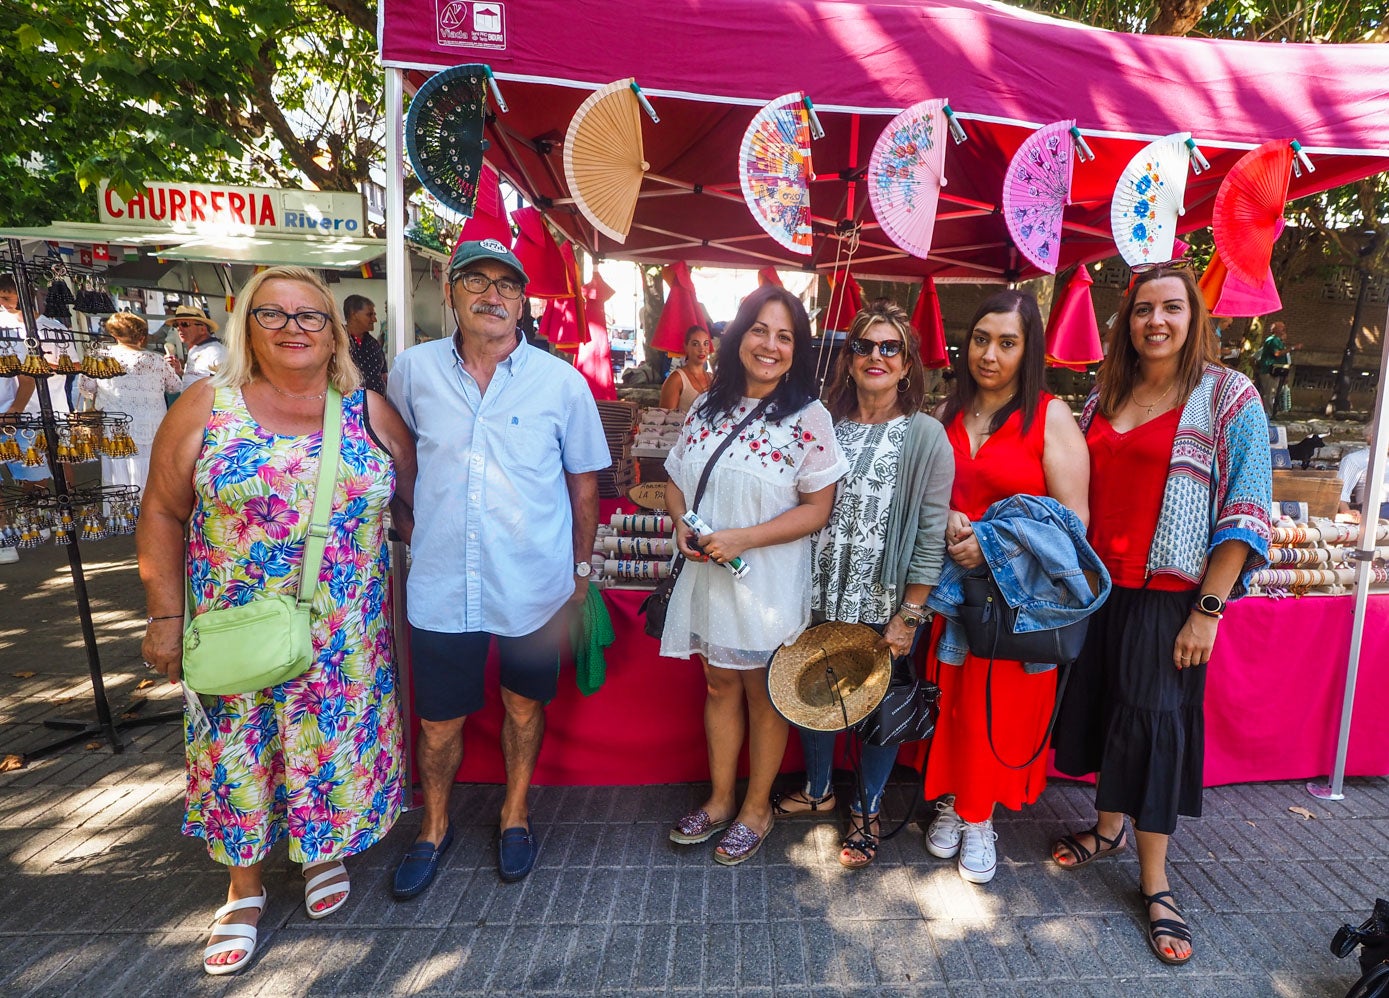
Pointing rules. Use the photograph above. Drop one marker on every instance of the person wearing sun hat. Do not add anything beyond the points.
(509, 444)
(198, 333)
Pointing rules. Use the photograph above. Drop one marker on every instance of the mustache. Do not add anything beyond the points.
(483, 308)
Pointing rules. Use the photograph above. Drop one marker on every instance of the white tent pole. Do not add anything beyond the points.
(401, 324)
(1364, 555)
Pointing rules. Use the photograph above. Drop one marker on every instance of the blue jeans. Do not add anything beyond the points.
(819, 766)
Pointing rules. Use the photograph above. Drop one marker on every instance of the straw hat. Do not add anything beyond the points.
(186, 312)
(802, 692)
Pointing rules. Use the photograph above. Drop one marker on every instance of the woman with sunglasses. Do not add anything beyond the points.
(769, 491)
(1179, 498)
(315, 760)
(1010, 437)
(881, 552)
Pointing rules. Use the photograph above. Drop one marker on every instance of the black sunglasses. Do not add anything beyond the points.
(886, 348)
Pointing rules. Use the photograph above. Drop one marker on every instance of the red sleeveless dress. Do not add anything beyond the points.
(961, 762)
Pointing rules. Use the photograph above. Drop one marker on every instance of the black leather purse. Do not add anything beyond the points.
(655, 605)
(908, 712)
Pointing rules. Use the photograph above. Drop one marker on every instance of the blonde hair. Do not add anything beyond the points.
(842, 400)
(240, 365)
(128, 328)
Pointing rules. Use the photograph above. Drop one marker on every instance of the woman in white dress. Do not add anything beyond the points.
(139, 393)
(768, 493)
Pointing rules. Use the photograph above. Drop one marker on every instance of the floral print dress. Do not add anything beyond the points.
(317, 758)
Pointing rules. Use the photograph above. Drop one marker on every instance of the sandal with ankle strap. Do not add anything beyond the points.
(1169, 927)
(238, 936)
(815, 805)
(1106, 847)
(861, 840)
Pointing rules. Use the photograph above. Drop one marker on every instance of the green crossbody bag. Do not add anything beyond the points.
(241, 649)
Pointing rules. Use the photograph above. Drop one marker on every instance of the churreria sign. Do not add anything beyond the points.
(197, 208)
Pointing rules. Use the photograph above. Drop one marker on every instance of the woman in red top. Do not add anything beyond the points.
(1010, 438)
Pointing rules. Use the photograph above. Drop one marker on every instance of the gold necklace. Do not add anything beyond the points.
(302, 398)
(1149, 408)
(980, 412)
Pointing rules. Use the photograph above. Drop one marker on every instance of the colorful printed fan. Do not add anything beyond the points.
(1249, 206)
(906, 173)
(1148, 199)
(443, 135)
(603, 158)
(1036, 188)
(774, 171)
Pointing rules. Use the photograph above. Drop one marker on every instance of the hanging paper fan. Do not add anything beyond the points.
(603, 158)
(774, 171)
(1148, 199)
(906, 173)
(1036, 188)
(443, 135)
(1249, 206)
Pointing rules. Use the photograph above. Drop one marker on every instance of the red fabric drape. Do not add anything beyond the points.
(682, 310)
(1073, 334)
(595, 360)
(930, 327)
(540, 256)
(846, 301)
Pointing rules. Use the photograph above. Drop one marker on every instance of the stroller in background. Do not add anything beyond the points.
(1372, 937)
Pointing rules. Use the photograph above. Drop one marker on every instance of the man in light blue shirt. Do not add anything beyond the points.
(506, 507)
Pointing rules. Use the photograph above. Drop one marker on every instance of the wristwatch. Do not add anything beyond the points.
(583, 569)
(1211, 605)
(912, 615)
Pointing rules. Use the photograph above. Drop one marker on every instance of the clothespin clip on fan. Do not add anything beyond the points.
(1083, 152)
(645, 104)
(1199, 163)
(1301, 157)
(496, 90)
(816, 131)
(957, 131)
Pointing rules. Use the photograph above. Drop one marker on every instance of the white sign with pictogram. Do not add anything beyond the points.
(477, 24)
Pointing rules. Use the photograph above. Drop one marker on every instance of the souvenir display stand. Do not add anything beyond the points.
(68, 514)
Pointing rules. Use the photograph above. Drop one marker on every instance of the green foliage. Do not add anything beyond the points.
(249, 91)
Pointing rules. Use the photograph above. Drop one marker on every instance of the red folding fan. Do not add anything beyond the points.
(1249, 206)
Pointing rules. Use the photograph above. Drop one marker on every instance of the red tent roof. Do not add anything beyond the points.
(1005, 72)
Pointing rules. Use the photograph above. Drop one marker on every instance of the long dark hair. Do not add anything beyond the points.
(729, 383)
(842, 400)
(1120, 367)
(1032, 372)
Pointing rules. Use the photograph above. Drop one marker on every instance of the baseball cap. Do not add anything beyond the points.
(484, 249)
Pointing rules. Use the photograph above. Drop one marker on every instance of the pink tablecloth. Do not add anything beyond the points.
(1273, 703)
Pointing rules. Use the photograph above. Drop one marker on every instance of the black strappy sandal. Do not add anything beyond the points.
(861, 840)
(1107, 847)
(818, 805)
(1169, 927)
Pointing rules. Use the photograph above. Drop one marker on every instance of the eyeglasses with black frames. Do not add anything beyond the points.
(476, 283)
(309, 320)
(1185, 263)
(886, 348)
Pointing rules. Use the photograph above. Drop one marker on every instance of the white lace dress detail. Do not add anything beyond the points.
(139, 393)
(848, 553)
(739, 623)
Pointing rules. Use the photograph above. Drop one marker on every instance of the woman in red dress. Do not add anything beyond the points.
(1010, 438)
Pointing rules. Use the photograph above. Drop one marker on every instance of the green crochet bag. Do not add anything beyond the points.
(268, 641)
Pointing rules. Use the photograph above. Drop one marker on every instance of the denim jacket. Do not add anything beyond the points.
(1036, 549)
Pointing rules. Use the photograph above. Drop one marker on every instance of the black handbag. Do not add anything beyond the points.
(655, 605)
(989, 627)
(908, 711)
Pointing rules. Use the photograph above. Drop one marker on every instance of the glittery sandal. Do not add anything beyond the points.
(697, 827)
(740, 843)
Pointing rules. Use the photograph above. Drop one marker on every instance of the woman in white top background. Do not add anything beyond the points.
(690, 381)
(768, 493)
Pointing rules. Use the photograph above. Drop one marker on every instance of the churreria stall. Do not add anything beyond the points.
(1007, 75)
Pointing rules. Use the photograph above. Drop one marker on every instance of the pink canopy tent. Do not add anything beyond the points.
(1004, 71)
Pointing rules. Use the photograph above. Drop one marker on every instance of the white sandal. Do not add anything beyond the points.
(242, 936)
(313, 893)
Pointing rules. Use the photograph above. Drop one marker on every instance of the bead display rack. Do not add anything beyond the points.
(71, 515)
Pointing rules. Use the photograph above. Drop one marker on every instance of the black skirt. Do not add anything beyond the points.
(1131, 716)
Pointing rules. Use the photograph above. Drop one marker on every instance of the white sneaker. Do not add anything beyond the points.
(978, 857)
(8, 555)
(943, 837)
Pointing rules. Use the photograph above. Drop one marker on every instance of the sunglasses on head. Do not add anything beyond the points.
(1184, 263)
(886, 348)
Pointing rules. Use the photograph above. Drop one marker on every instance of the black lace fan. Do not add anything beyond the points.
(443, 135)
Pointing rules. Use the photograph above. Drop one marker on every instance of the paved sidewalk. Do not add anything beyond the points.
(100, 895)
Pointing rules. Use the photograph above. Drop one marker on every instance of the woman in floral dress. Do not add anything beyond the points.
(316, 759)
(138, 393)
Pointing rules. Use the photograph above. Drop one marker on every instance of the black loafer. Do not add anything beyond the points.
(417, 869)
(516, 853)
